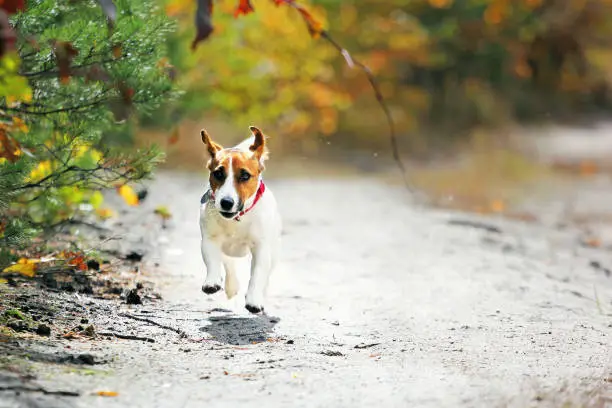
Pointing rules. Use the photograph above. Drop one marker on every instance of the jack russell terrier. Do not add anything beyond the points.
(238, 215)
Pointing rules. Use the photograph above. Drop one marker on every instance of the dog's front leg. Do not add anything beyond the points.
(261, 265)
(211, 254)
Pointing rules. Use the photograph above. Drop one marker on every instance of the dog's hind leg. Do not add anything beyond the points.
(231, 281)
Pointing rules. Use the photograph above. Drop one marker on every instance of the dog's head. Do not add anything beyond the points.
(235, 172)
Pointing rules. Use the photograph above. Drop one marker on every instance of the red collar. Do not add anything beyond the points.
(260, 191)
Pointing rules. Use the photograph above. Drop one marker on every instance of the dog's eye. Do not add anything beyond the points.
(219, 174)
(244, 176)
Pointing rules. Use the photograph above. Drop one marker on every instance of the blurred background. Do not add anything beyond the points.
(488, 97)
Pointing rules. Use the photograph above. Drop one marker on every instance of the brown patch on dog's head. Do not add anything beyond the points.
(246, 170)
(235, 172)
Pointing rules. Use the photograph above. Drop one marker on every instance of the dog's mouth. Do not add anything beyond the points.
(228, 215)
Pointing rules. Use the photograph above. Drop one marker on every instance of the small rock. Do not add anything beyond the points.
(133, 298)
(18, 325)
(92, 264)
(86, 359)
(90, 331)
(134, 256)
(43, 330)
(332, 353)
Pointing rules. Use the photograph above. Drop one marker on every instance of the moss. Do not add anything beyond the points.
(15, 313)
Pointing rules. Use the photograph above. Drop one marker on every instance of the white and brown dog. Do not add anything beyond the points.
(238, 216)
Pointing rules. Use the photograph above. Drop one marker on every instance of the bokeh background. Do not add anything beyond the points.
(491, 100)
(472, 86)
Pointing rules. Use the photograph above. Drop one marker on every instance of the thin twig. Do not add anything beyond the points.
(352, 62)
(22, 388)
(127, 336)
(153, 322)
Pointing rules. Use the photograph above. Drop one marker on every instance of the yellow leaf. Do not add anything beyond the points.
(107, 393)
(128, 194)
(25, 268)
(41, 171)
(163, 212)
(104, 213)
(3, 281)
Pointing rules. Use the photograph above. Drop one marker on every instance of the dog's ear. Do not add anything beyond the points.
(211, 146)
(259, 145)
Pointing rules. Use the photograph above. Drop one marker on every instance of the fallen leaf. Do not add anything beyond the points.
(107, 393)
(225, 373)
(163, 212)
(592, 242)
(25, 267)
(203, 22)
(104, 213)
(3, 281)
(128, 195)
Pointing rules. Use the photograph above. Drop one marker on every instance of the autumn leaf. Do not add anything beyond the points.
(244, 8)
(12, 6)
(174, 137)
(163, 212)
(9, 147)
(7, 35)
(315, 28)
(203, 22)
(128, 195)
(64, 53)
(107, 393)
(25, 267)
(104, 213)
(592, 242)
(117, 51)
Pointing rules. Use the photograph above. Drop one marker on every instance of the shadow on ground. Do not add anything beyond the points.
(235, 330)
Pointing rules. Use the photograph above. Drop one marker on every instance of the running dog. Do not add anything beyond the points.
(238, 216)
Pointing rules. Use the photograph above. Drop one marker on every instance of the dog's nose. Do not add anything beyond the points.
(226, 203)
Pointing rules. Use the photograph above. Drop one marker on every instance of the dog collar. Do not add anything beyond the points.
(208, 195)
(260, 191)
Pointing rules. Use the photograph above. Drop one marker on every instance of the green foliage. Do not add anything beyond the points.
(60, 145)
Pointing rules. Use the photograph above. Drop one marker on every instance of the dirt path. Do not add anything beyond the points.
(376, 301)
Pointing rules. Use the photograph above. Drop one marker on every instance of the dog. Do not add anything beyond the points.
(238, 216)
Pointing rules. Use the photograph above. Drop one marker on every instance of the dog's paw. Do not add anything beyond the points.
(210, 289)
(254, 309)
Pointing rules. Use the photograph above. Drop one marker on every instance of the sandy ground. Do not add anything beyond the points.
(376, 300)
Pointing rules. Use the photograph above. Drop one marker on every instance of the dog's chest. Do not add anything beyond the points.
(233, 236)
